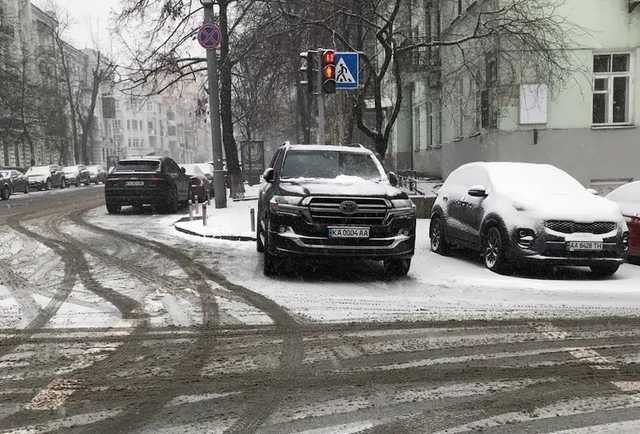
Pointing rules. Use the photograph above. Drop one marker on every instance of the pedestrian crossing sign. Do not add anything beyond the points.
(347, 71)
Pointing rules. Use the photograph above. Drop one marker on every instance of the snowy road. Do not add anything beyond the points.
(120, 324)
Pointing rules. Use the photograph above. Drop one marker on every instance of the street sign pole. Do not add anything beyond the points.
(219, 188)
(322, 139)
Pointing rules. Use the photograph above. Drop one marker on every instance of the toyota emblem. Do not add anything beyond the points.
(349, 207)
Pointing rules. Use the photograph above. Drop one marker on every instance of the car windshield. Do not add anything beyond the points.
(318, 164)
(626, 193)
(138, 166)
(533, 179)
(70, 169)
(39, 170)
(192, 169)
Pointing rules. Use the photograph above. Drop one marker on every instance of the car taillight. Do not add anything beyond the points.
(155, 180)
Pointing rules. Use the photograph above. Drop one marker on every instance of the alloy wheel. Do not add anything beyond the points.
(493, 249)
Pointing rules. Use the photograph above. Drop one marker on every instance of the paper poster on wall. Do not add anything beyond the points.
(533, 104)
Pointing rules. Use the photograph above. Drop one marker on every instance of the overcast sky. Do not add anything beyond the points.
(89, 17)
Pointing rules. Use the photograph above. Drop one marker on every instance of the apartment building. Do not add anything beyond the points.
(585, 124)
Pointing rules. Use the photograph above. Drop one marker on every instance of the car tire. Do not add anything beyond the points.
(113, 208)
(49, 186)
(437, 237)
(494, 252)
(26, 189)
(397, 267)
(5, 194)
(607, 270)
(63, 183)
(172, 202)
(259, 242)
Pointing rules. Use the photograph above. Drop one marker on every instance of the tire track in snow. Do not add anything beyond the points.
(292, 352)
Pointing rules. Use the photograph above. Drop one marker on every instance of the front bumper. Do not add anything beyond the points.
(304, 239)
(550, 248)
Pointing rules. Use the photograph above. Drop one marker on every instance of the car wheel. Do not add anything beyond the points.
(172, 202)
(113, 208)
(607, 270)
(397, 267)
(63, 183)
(5, 193)
(49, 185)
(439, 243)
(26, 188)
(259, 239)
(494, 251)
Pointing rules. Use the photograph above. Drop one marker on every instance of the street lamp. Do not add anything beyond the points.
(219, 187)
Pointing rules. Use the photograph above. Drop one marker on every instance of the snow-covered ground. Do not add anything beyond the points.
(456, 287)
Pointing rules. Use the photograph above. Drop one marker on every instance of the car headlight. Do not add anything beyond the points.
(286, 205)
(402, 203)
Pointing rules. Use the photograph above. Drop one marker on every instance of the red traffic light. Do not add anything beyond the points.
(329, 56)
(329, 71)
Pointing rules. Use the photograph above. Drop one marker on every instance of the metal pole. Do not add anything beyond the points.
(214, 113)
(321, 120)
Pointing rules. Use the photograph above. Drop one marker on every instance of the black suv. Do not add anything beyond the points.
(333, 202)
(156, 181)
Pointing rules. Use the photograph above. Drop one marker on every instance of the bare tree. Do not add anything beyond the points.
(531, 35)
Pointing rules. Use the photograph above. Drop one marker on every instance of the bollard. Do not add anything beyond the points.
(204, 214)
(190, 211)
(253, 219)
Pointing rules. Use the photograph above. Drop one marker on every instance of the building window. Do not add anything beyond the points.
(460, 5)
(128, 124)
(611, 85)
(429, 125)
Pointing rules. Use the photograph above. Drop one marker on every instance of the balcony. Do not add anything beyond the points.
(421, 59)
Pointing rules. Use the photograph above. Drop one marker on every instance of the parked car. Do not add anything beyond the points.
(520, 213)
(46, 177)
(97, 174)
(5, 187)
(628, 199)
(77, 175)
(200, 185)
(333, 202)
(18, 180)
(156, 181)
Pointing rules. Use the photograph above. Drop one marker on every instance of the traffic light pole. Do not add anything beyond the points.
(219, 188)
(322, 138)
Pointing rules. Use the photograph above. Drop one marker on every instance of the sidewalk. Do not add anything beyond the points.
(232, 223)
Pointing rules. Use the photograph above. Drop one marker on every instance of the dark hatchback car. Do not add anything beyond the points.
(46, 177)
(155, 181)
(333, 202)
(520, 213)
(18, 181)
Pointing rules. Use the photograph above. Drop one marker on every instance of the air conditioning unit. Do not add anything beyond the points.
(633, 4)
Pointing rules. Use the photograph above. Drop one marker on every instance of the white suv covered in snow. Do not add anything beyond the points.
(517, 213)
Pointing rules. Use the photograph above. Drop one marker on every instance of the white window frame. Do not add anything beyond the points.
(610, 76)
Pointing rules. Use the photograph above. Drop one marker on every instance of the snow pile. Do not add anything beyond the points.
(230, 222)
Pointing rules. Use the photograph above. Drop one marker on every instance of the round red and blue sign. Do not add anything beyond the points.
(209, 36)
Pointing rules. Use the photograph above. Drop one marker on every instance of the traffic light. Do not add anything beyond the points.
(309, 69)
(329, 71)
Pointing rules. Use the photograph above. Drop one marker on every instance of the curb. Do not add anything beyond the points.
(217, 237)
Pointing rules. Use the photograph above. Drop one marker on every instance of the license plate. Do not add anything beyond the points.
(338, 232)
(577, 246)
(134, 183)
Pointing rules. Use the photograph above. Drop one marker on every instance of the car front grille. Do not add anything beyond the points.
(568, 227)
(327, 211)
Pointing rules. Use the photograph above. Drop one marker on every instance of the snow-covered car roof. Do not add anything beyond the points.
(335, 148)
(626, 193)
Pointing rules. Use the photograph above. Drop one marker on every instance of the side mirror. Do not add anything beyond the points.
(393, 179)
(593, 191)
(269, 175)
(477, 191)
(183, 170)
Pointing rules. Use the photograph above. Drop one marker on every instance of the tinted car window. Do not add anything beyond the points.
(138, 166)
(329, 164)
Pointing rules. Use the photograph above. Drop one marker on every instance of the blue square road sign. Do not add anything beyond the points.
(347, 70)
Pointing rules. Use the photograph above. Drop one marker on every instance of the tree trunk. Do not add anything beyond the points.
(5, 152)
(72, 108)
(226, 115)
